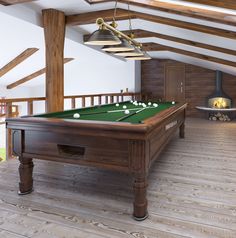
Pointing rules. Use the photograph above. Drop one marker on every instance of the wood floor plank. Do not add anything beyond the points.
(191, 193)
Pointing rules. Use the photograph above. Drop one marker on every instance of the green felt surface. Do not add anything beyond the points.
(102, 113)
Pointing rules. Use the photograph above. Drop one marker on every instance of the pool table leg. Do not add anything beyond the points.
(182, 130)
(140, 200)
(26, 173)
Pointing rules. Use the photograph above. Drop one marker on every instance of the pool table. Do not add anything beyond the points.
(104, 136)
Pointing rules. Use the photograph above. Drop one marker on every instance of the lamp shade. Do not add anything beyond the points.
(145, 56)
(103, 37)
(123, 47)
(135, 52)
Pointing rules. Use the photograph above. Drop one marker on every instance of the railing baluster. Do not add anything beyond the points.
(92, 100)
(99, 100)
(73, 103)
(30, 107)
(83, 101)
(106, 99)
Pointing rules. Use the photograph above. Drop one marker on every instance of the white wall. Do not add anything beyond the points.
(21, 92)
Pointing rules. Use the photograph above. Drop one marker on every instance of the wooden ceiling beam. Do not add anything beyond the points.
(159, 47)
(182, 10)
(230, 4)
(146, 34)
(90, 17)
(17, 60)
(12, 2)
(32, 76)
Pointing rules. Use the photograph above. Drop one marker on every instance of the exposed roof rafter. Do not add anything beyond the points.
(187, 11)
(17, 60)
(158, 47)
(138, 33)
(32, 76)
(12, 2)
(107, 15)
(230, 4)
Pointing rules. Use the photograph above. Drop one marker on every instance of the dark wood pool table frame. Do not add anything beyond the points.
(124, 147)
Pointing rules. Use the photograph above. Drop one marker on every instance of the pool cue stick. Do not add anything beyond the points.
(94, 113)
(126, 116)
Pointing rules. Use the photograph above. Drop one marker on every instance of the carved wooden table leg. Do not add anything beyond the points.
(140, 200)
(26, 173)
(182, 130)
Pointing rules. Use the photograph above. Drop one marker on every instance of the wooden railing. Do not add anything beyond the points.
(76, 101)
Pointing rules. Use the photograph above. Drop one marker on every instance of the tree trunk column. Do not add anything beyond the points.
(54, 32)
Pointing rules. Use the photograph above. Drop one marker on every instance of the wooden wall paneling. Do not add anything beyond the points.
(54, 32)
(199, 83)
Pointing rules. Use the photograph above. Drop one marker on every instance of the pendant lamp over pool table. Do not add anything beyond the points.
(103, 36)
(124, 46)
(145, 56)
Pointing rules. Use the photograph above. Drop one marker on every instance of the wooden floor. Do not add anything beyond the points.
(192, 193)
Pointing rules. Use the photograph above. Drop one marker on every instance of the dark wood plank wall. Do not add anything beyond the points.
(199, 83)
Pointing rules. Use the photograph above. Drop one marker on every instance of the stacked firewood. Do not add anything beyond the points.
(219, 117)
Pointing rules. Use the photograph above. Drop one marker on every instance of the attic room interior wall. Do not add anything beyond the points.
(92, 76)
(199, 83)
(20, 92)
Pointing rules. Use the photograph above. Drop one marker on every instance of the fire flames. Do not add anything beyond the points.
(219, 103)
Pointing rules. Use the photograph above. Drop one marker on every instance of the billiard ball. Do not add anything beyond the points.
(126, 111)
(173, 102)
(139, 103)
(155, 104)
(144, 105)
(76, 115)
(131, 101)
(117, 105)
(149, 104)
(124, 106)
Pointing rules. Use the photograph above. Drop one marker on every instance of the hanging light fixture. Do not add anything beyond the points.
(103, 36)
(145, 56)
(117, 42)
(124, 46)
(136, 52)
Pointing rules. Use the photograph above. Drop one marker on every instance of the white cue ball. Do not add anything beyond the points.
(149, 104)
(117, 105)
(131, 101)
(76, 115)
(173, 102)
(139, 103)
(124, 106)
(126, 111)
(144, 105)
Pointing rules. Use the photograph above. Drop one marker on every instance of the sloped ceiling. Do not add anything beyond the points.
(27, 16)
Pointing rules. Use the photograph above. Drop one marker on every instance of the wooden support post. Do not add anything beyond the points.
(8, 133)
(54, 32)
(30, 108)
